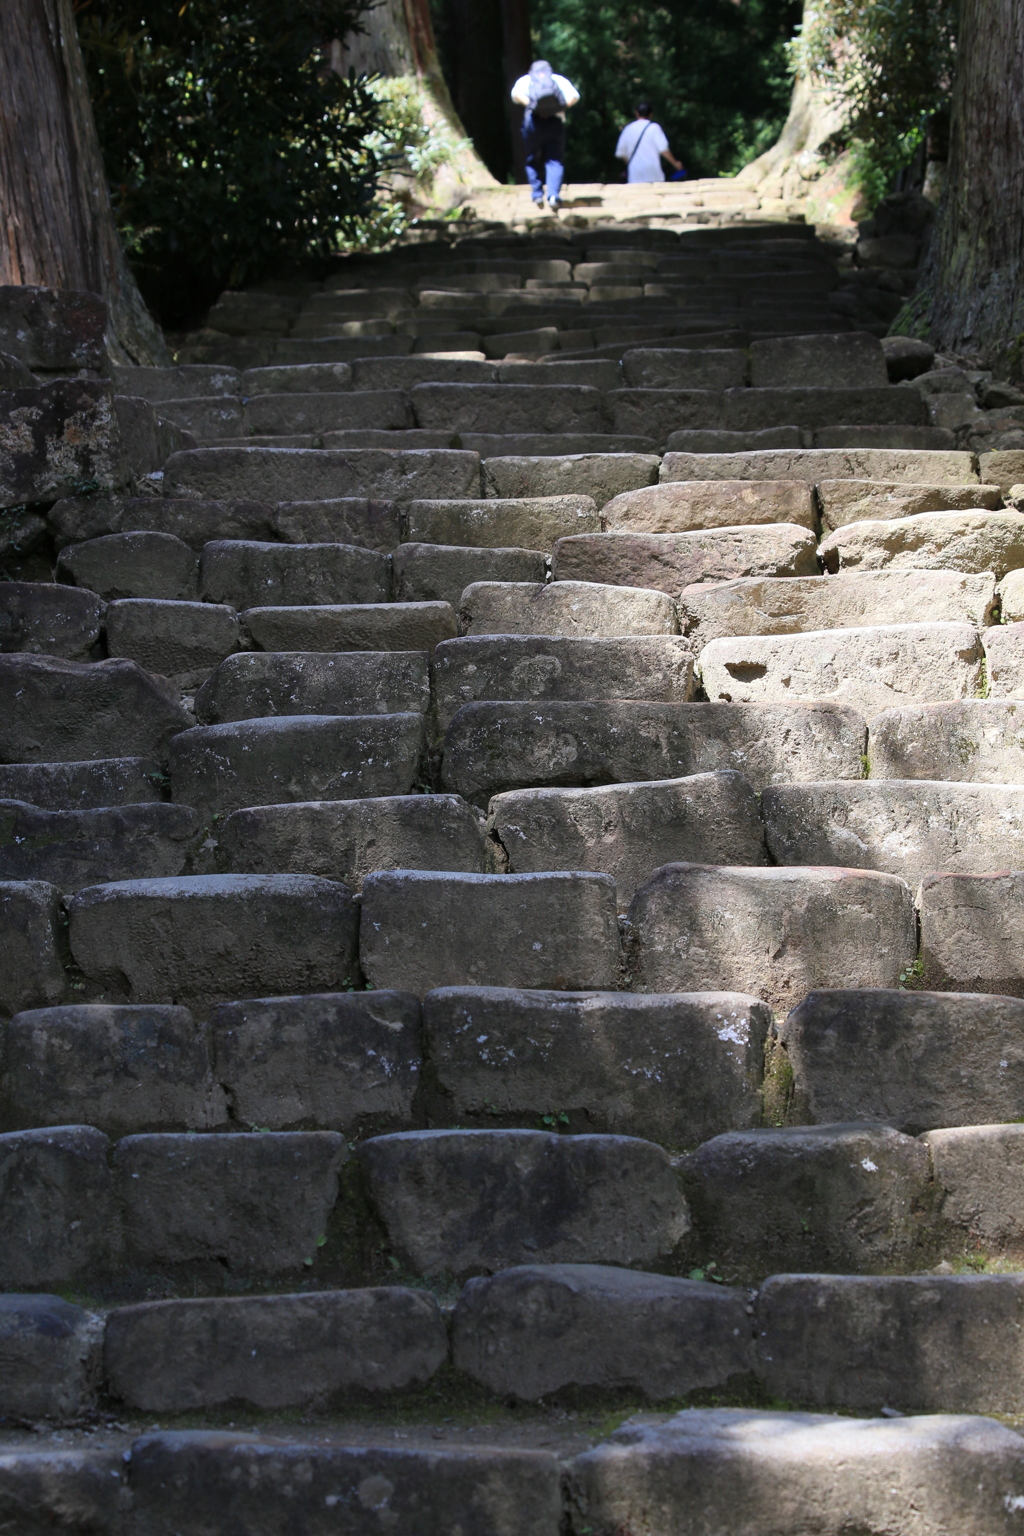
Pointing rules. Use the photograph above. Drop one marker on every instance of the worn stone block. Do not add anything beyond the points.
(282, 758)
(912, 466)
(356, 627)
(530, 1331)
(677, 1068)
(350, 839)
(83, 786)
(338, 1061)
(914, 1060)
(849, 360)
(272, 1351)
(657, 412)
(454, 1202)
(601, 476)
(807, 1199)
(57, 435)
(938, 1344)
(49, 1359)
(208, 419)
(195, 380)
(971, 740)
(977, 1170)
(131, 565)
(671, 561)
(179, 641)
(202, 939)
(323, 411)
(971, 928)
(247, 574)
(255, 1203)
(765, 605)
(542, 666)
(751, 409)
(684, 368)
(713, 440)
(871, 668)
(685, 506)
(853, 501)
(956, 541)
(507, 407)
(774, 933)
(442, 572)
(421, 929)
(531, 523)
(58, 1222)
(203, 1480)
(193, 520)
(566, 609)
(312, 474)
(53, 710)
(404, 372)
(490, 747)
(32, 959)
(259, 683)
(70, 849)
(53, 329)
(1004, 656)
(299, 379)
(1004, 468)
(341, 520)
(124, 1069)
(727, 1467)
(901, 828)
(50, 620)
(629, 830)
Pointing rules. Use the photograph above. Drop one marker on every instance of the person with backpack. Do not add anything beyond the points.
(546, 97)
(643, 145)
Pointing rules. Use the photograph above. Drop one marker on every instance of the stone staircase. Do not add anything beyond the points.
(512, 805)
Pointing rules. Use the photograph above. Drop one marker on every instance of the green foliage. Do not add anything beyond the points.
(715, 73)
(229, 144)
(891, 62)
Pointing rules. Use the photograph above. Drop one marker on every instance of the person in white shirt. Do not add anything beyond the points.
(642, 144)
(546, 97)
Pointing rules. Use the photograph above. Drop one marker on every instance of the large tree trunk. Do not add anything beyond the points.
(975, 271)
(518, 45)
(398, 42)
(473, 53)
(57, 226)
(799, 168)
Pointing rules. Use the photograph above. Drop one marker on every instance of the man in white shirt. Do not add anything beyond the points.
(642, 144)
(546, 97)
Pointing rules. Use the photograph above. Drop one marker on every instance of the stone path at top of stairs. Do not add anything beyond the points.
(511, 831)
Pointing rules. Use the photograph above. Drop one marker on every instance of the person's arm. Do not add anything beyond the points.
(521, 91)
(568, 90)
(663, 149)
(667, 154)
(621, 148)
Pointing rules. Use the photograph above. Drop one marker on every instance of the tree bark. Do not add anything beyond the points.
(974, 275)
(398, 41)
(56, 221)
(518, 47)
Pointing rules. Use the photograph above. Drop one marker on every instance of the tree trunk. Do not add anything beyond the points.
(974, 276)
(473, 56)
(57, 226)
(515, 19)
(398, 42)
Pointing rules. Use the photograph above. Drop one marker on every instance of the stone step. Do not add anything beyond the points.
(276, 474)
(442, 572)
(904, 828)
(1004, 658)
(630, 830)
(669, 562)
(70, 849)
(366, 522)
(271, 760)
(601, 476)
(853, 360)
(679, 368)
(970, 932)
(509, 407)
(684, 506)
(773, 933)
(247, 574)
(565, 608)
(871, 669)
(714, 440)
(321, 411)
(55, 711)
(51, 620)
(193, 520)
(905, 467)
(181, 642)
(348, 840)
(302, 379)
(971, 541)
(131, 565)
(264, 683)
(180, 383)
(975, 741)
(534, 522)
(545, 667)
(493, 747)
(359, 627)
(660, 411)
(84, 786)
(765, 605)
(208, 419)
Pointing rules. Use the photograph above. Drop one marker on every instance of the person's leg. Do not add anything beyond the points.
(554, 157)
(554, 171)
(534, 160)
(536, 185)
